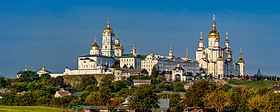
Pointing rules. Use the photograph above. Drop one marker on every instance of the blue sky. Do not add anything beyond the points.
(55, 32)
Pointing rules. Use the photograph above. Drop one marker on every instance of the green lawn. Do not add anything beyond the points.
(254, 84)
(30, 109)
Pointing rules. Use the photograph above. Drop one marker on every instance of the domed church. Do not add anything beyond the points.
(216, 60)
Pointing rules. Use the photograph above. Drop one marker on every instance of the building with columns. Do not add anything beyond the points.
(215, 59)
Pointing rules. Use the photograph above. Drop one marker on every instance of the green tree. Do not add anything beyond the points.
(118, 85)
(99, 98)
(144, 99)
(175, 103)
(92, 88)
(218, 100)
(58, 81)
(87, 80)
(46, 76)
(265, 103)
(8, 99)
(240, 96)
(196, 92)
(124, 92)
(4, 82)
(154, 71)
(178, 87)
(28, 76)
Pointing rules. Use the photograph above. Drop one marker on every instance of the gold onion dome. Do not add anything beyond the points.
(220, 58)
(240, 58)
(108, 29)
(214, 32)
(94, 46)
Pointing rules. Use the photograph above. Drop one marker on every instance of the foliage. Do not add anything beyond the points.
(28, 76)
(45, 76)
(266, 103)
(240, 97)
(58, 81)
(86, 81)
(218, 100)
(118, 85)
(124, 92)
(99, 98)
(178, 87)
(144, 99)
(165, 87)
(175, 103)
(92, 88)
(4, 82)
(62, 101)
(154, 71)
(196, 92)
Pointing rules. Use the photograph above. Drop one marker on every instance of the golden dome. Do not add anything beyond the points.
(214, 32)
(118, 46)
(241, 60)
(108, 29)
(220, 58)
(201, 40)
(240, 57)
(94, 46)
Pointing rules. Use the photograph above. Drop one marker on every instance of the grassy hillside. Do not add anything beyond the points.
(30, 109)
(254, 84)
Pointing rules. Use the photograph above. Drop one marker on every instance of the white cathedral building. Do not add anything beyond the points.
(216, 60)
(98, 61)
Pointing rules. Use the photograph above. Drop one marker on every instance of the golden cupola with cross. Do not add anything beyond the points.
(214, 32)
(94, 49)
(108, 29)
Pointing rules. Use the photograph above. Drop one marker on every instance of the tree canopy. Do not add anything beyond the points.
(144, 99)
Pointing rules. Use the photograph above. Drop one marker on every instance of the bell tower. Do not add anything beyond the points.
(108, 41)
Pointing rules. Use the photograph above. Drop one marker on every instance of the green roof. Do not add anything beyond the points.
(129, 56)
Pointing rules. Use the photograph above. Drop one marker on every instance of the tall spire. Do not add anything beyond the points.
(214, 23)
(170, 55)
(240, 53)
(108, 23)
(227, 40)
(187, 53)
(201, 39)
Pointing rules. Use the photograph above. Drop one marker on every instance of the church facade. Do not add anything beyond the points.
(216, 60)
(98, 61)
